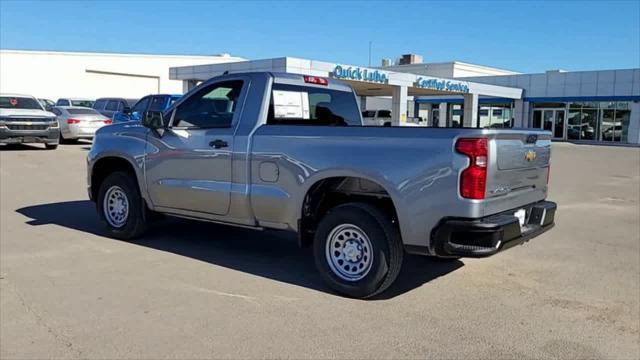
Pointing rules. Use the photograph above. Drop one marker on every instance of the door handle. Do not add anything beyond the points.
(218, 144)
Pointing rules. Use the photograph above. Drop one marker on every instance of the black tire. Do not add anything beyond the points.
(134, 224)
(61, 138)
(50, 146)
(387, 249)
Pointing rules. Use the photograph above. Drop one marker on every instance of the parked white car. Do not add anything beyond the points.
(24, 120)
(376, 117)
(78, 122)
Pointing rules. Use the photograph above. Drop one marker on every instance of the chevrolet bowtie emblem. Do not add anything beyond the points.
(530, 155)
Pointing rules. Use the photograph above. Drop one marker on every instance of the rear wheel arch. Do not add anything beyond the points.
(329, 192)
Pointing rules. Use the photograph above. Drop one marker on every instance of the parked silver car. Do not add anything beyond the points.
(78, 122)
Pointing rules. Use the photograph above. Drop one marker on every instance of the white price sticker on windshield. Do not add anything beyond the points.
(290, 104)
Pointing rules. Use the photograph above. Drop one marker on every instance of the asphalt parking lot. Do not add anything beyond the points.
(196, 290)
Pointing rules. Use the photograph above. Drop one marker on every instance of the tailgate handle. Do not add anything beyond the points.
(531, 139)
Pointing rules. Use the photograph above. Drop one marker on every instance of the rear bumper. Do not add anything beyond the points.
(48, 136)
(77, 132)
(486, 236)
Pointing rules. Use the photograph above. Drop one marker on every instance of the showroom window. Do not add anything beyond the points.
(606, 121)
(495, 116)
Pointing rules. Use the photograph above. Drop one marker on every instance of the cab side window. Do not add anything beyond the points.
(99, 105)
(141, 106)
(112, 105)
(211, 107)
(312, 106)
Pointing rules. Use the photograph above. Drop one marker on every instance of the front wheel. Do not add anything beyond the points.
(358, 250)
(121, 207)
(50, 146)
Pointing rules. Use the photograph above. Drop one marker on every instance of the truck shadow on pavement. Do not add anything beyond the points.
(270, 254)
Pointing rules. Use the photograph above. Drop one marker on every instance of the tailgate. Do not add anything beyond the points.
(519, 165)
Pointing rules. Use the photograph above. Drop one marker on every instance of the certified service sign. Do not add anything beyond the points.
(356, 73)
(442, 85)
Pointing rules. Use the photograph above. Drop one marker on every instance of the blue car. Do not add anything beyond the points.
(159, 102)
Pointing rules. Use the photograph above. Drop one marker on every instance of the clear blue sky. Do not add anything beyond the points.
(523, 36)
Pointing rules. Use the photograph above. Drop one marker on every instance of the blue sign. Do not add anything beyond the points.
(441, 85)
(359, 74)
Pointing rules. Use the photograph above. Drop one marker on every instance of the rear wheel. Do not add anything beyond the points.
(121, 207)
(358, 250)
(63, 140)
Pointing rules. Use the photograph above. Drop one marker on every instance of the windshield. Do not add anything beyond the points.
(83, 103)
(82, 112)
(173, 99)
(15, 102)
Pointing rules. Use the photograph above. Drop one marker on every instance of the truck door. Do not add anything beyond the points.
(188, 166)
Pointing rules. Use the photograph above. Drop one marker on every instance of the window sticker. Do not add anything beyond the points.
(290, 104)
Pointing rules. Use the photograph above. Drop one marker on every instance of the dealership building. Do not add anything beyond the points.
(580, 106)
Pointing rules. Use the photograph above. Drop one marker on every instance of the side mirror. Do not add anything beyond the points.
(154, 120)
(126, 110)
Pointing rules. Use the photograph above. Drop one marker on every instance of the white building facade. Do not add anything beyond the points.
(54, 75)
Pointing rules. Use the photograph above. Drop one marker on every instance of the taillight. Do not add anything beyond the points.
(73, 121)
(473, 180)
(108, 121)
(316, 80)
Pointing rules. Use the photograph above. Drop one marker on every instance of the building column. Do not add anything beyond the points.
(518, 114)
(411, 108)
(442, 114)
(187, 85)
(527, 115)
(470, 114)
(633, 137)
(363, 103)
(399, 106)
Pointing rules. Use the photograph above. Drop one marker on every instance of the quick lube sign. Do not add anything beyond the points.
(356, 73)
(441, 85)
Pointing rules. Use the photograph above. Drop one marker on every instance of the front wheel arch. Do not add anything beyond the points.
(104, 167)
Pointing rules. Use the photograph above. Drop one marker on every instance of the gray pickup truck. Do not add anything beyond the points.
(289, 152)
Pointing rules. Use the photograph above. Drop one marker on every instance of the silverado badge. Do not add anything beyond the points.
(530, 155)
